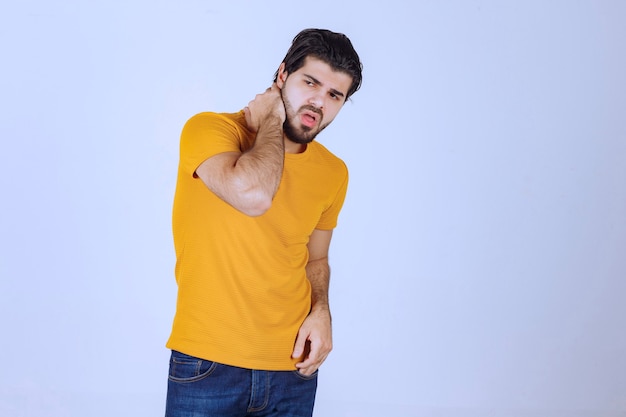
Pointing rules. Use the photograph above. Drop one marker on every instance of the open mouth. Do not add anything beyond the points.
(310, 118)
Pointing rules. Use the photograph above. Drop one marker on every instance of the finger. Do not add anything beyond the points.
(313, 360)
(249, 121)
(298, 348)
(309, 366)
(308, 371)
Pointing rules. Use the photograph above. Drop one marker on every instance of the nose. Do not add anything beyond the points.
(317, 101)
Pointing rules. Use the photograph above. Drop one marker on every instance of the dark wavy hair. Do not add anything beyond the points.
(333, 48)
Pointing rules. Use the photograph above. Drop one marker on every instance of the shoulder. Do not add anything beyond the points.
(210, 120)
(218, 127)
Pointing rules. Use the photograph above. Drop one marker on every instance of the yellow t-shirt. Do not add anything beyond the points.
(242, 287)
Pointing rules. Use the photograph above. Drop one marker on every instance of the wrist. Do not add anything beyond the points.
(320, 308)
(271, 123)
(272, 118)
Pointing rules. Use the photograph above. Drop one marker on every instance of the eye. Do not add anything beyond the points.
(309, 83)
(334, 96)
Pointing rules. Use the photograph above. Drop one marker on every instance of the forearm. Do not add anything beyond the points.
(248, 181)
(317, 327)
(259, 170)
(318, 273)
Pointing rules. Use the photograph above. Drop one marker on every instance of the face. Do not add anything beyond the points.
(313, 95)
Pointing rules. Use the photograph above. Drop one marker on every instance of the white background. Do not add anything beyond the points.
(479, 268)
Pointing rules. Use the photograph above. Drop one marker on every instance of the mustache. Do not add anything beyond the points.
(313, 109)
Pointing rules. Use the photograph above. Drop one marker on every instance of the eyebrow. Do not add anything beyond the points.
(316, 81)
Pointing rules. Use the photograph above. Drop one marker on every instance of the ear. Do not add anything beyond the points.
(282, 76)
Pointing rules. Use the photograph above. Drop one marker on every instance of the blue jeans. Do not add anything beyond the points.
(201, 388)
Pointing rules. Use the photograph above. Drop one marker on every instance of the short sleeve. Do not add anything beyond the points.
(328, 219)
(206, 135)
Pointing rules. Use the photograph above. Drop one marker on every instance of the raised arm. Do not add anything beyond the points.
(316, 331)
(248, 181)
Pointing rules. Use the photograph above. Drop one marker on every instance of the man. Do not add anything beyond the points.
(256, 202)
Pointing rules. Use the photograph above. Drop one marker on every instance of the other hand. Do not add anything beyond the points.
(314, 341)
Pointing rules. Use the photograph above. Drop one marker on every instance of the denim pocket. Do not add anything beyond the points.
(305, 377)
(185, 368)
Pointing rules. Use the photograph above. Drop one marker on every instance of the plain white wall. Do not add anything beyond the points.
(478, 269)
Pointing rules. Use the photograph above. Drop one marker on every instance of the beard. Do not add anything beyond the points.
(297, 132)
